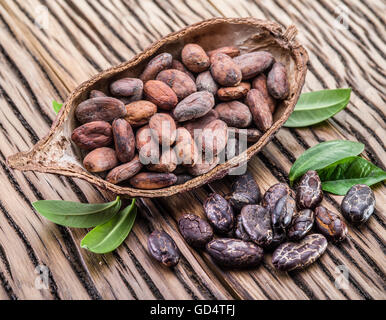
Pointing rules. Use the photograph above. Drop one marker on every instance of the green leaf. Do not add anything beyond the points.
(340, 176)
(57, 106)
(75, 214)
(322, 155)
(315, 107)
(109, 236)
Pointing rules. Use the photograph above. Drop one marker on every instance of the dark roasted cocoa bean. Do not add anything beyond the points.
(219, 213)
(235, 253)
(96, 94)
(196, 231)
(125, 171)
(358, 204)
(167, 162)
(204, 166)
(278, 237)
(205, 82)
(131, 88)
(163, 248)
(309, 191)
(100, 109)
(160, 94)
(124, 140)
(156, 65)
(150, 180)
(234, 114)
(93, 135)
(224, 70)
(330, 224)
(244, 191)
(260, 83)
(297, 255)
(257, 224)
(140, 112)
(277, 82)
(253, 63)
(180, 66)
(240, 231)
(183, 178)
(262, 116)
(283, 212)
(185, 148)
(164, 128)
(273, 194)
(100, 160)
(200, 124)
(234, 93)
(230, 51)
(214, 137)
(195, 106)
(195, 58)
(250, 135)
(180, 82)
(302, 223)
(147, 145)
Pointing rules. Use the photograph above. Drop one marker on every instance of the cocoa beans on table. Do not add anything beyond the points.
(93, 135)
(302, 223)
(163, 248)
(330, 224)
(196, 231)
(309, 191)
(358, 204)
(219, 213)
(100, 109)
(244, 191)
(273, 194)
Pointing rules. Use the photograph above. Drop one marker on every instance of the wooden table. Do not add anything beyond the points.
(48, 47)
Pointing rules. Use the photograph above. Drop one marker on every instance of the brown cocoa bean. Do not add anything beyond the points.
(180, 66)
(183, 178)
(93, 135)
(196, 231)
(234, 114)
(273, 194)
(204, 166)
(240, 231)
(125, 171)
(262, 116)
(130, 88)
(244, 191)
(160, 94)
(330, 224)
(301, 224)
(194, 106)
(277, 82)
(152, 180)
(257, 224)
(124, 140)
(96, 94)
(251, 135)
(358, 204)
(156, 65)
(234, 93)
(260, 83)
(224, 70)
(100, 109)
(219, 213)
(253, 63)
(100, 160)
(167, 162)
(180, 82)
(205, 82)
(164, 128)
(215, 137)
(140, 112)
(195, 58)
(230, 51)
(309, 192)
(185, 148)
(283, 212)
(147, 145)
(199, 124)
(163, 248)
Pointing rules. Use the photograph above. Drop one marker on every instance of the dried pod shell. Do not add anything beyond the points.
(260, 110)
(301, 224)
(150, 180)
(127, 87)
(219, 213)
(163, 248)
(231, 51)
(253, 63)
(358, 204)
(93, 135)
(224, 70)
(194, 58)
(156, 65)
(234, 93)
(164, 127)
(277, 82)
(196, 231)
(100, 160)
(100, 109)
(125, 171)
(180, 82)
(140, 112)
(309, 191)
(194, 106)
(234, 114)
(205, 82)
(160, 94)
(260, 83)
(330, 224)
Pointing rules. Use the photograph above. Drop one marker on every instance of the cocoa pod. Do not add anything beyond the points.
(234, 114)
(160, 94)
(309, 192)
(147, 145)
(194, 106)
(152, 180)
(180, 66)
(178, 81)
(200, 123)
(277, 82)
(125, 171)
(224, 70)
(251, 135)
(260, 83)
(164, 128)
(185, 148)
(156, 65)
(124, 140)
(163, 248)
(204, 166)
(219, 213)
(93, 135)
(196, 231)
(195, 58)
(262, 116)
(253, 63)
(167, 162)
(234, 93)
(215, 137)
(273, 194)
(100, 109)
(205, 82)
(231, 51)
(96, 94)
(330, 224)
(100, 160)
(138, 113)
(127, 87)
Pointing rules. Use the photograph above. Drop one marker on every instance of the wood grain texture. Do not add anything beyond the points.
(83, 37)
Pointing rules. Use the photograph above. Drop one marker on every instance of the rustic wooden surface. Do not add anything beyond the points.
(48, 47)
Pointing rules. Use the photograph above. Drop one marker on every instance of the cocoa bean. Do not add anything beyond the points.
(127, 87)
(234, 114)
(147, 145)
(160, 94)
(96, 94)
(203, 166)
(215, 137)
(195, 58)
(309, 191)
(283, 212)
(273, 194)
(302, 223)
(234, 93)
(262, 116)
(167, 162)
(194, 106)
(253, 63)
(244, 191)
(124, 140)
(100, 109)
(125, 171)
(277, 82)
(330, 224)
(199, 124)
(196, 231)
(93, 135)
(180, 66)
(240, 231)
(205, 82)
(140, 112)
(251, 135)
(163, 248)
(219, 213)
(224, 70)
(358, 204)
(156, 65)
(164, 128)
(100, 160)
(185, 148)
(180, 82)
(183, 178)
(260, 83)
(230, 51)
(152, 180)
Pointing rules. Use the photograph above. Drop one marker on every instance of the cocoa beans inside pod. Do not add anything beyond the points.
(277, 82)
(251, 135)
(124, 140)
(231, 51)
(234, 114)
(125, 171)
(147, 145)
(224, 70)
(330, 224)
(100, 109)
(253, 63)
(234, 93)
(93, 135)
(200, 124)
(96, 94)
(260, 83)
(261, 113)
(164, 127)
(203, 166)
(194, 106)
(215, 137)
(195, 58)
(140, 112)
(205, 82)
(219, 213)
(100, 160)
(152, 180)
(185, 148)
(156, 65)
(167, 162)
(180, 66)
(127, 87)
(180, 82)
(160, 94)
(274, 193)
(196, 231)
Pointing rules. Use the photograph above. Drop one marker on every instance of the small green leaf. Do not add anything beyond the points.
(57, 106)
(315, 107)
(75, 214)
(340, 176)
(322, 155)
(109, 236)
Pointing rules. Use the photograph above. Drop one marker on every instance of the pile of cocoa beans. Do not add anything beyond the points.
(248, 224)
(175, 120)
